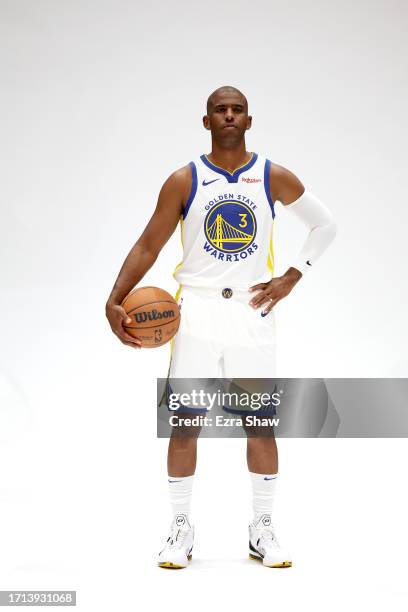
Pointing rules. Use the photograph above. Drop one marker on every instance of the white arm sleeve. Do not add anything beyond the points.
(319, 220)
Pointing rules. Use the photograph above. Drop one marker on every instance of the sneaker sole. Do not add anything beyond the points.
(278, 565)
(169, 565)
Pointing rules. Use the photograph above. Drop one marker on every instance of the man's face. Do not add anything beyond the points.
(227, 118)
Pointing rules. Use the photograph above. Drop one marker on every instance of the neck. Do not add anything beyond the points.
(229, 159)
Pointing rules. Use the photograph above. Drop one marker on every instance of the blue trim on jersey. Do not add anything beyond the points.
(265, 411)
(267, 185)
(231, 178)
(193, 189)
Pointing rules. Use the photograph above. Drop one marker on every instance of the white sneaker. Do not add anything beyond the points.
(263, 545)
(177, 552)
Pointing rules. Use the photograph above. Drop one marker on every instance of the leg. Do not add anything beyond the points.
(193, 356)
(182, 452)
(262, 455)
(252, 367)
(262, 459)
(181, 463)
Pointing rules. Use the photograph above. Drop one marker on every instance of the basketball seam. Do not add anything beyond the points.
(139, 288)
(148, 304)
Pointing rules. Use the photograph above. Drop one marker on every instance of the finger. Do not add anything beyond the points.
(125, 337)
(121, 318)
(259, 299)
(269, 307)
(128, 339)
(267, 299)
(132, 344)
(119, 311)
(258, 287)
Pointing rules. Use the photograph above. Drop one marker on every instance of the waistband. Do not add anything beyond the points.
(223, 293)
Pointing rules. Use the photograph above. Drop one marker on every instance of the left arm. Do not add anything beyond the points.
(288, 189)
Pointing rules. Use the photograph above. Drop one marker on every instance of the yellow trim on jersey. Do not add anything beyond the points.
(271, 257)
(231, 173)
(182, 244)
(176, 297)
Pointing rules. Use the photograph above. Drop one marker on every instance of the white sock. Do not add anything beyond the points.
(263, 490)
(180, 489)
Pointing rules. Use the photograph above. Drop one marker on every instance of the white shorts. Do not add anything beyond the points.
(222, 337)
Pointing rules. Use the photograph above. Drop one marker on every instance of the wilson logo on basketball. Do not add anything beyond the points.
(153, 315)
(250, 180)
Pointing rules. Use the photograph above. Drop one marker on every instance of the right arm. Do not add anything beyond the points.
(172, 199)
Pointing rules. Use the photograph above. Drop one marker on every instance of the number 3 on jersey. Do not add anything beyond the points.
(243, 220)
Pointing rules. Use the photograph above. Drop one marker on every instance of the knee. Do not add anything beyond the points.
(260, 443)
(183, 444)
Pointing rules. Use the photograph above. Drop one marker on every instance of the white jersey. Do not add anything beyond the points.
(226, 227)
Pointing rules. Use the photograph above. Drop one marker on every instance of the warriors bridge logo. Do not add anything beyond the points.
(230, 228)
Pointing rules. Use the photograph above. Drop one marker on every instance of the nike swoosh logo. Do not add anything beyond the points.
(174, 480)
(209, 182)
(308, 263)
(270, 478)
(263, 314)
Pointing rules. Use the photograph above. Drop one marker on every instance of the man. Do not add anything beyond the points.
(225, 203)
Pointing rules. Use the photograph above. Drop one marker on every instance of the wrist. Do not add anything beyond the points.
(113, 300)
(293, 275)
(117, 295)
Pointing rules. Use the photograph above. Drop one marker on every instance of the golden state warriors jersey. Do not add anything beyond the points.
(226, 226)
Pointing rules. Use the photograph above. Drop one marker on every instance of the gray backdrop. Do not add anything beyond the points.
(101, 100)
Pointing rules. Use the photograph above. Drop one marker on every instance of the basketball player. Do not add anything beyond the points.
(225, 204)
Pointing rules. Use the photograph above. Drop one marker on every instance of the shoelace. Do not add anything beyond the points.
(267, 535)
(176, 538)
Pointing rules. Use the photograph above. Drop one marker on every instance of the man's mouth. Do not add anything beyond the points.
(229, 126)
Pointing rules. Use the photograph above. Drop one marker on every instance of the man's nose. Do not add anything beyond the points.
(229, 116)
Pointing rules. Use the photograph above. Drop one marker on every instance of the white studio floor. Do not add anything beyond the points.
(83, 489)
(91, 516)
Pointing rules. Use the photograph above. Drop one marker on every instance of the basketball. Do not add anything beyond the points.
(155, 315)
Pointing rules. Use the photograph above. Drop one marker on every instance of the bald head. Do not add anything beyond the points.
(220, 92)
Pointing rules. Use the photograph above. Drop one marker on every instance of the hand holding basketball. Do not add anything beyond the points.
(117, 318)
(154, 316)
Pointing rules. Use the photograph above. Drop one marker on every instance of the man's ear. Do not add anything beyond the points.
(249, 122)
(206, 122)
